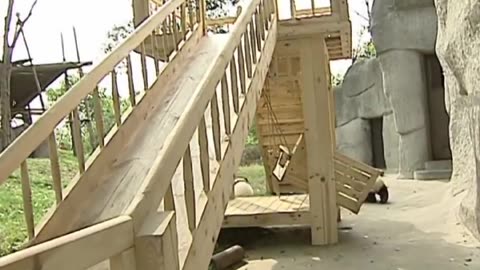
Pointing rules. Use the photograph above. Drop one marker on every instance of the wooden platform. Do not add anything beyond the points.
(267, 211)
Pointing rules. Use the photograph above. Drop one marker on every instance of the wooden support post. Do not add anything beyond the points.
(319, 141)
(124, 260)
(140, 11)
(203, 19)
(156, 244)
(340, 8)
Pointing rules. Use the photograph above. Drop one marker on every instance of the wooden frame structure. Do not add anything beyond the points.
(296, 110)
(153, 194)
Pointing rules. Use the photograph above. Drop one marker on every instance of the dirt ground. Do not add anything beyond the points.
(416, 230)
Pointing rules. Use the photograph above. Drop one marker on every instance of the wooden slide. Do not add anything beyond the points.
(155, 187)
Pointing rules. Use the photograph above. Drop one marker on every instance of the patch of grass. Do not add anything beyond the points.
(256, 176)
(13, 232)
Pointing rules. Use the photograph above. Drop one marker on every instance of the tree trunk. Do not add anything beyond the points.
(5, 113)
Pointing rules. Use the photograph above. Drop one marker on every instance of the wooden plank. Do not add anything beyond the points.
(234, 84)
(355, 163)
(55, 168)
(318, 139)
(27, 200)
(131, 85)
(77, 140)
(76, 251)
(117, 113)
(340, 8)
(143, 61)
(344, 180)
(189, 189)
(351, 172)
(98, 113)
(215, 115)
(226, 104)
(140, 11)
(156, 245)
(204, 156)
(124, 261)
(267, 219)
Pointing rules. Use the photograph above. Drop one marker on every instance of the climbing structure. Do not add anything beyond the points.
(153, 194)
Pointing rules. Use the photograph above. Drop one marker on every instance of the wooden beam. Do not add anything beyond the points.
(75, 251)
(123, 261)
(267, 219)
(156, 244)
(310, 26)
(319, 141)
(340, 9)
(141, 11)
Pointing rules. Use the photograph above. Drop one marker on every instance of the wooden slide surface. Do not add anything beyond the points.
(113, 180)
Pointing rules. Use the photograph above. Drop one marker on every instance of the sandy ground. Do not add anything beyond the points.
(416, 230)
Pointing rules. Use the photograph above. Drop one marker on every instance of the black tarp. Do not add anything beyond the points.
(23, 86)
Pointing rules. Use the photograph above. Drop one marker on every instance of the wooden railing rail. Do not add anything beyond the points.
(78, 250)
(150, 35)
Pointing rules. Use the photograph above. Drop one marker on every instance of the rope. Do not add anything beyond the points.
(275, 122)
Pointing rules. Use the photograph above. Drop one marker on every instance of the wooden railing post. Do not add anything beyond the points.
(320, 166)
(203, 16)
(156, 244)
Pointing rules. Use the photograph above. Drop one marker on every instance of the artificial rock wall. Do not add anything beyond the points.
(458, 49)
(359, 99)
(392, 86)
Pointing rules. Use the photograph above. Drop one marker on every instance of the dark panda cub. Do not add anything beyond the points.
(380, 189)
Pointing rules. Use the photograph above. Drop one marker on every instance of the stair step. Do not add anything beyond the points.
(432, 174)
(438, 165)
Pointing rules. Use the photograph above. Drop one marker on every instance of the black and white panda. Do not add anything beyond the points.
(242, 188)
(380, 189)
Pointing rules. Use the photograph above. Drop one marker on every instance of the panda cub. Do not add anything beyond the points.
(242, 188)
(380, 189)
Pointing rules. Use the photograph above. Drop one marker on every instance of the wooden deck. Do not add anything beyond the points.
(267, 211)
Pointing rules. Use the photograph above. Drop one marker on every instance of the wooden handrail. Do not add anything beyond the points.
(75, 251)
(39, 131)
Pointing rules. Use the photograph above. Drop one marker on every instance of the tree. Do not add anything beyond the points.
(365, 49)
(6, 70)
(118, 33)
(86, 115)
(336, 79)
